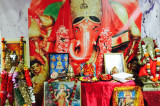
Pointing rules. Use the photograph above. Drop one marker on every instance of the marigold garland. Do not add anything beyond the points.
(21, 48)
(3, 50)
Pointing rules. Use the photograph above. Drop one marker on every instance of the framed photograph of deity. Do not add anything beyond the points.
(127, 96)
(62, 93)
(59, 63)
(17, 48)
(114, 63)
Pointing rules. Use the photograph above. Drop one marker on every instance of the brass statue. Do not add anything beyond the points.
(8, 63)
(20, 69)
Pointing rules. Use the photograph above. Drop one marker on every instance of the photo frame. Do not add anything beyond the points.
(127, 96)
(114, 63)
(13, 44)
(62, 91)
(59, 62)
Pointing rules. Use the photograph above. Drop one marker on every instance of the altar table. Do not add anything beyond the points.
(99, 93)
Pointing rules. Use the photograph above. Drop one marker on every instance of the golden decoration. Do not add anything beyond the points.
(25, 94)
(86, 8)
(8, 63)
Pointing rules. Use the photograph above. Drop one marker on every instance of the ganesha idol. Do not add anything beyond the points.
(149, 58)
(86, 20)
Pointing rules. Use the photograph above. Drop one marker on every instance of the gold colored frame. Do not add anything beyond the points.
(26, 50)
(138, 95)
(112, 62)
(61, 82)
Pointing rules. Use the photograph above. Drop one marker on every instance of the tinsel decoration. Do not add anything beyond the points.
(53, 96)
(24, 91)
(21, 48)
(29, 83)
(3, 92)
(10, 96)
(19, 101)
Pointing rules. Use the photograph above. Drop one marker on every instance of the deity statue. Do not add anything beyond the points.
(8, 63)
(21, 69)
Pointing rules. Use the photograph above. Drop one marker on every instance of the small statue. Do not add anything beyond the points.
(147, 58)
(14, 58)
(8, 63)
(20, 69)
(70, 74)
(88, 72)
(114, 70)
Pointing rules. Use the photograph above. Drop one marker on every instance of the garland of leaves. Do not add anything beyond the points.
(17, 94)
(53, 96)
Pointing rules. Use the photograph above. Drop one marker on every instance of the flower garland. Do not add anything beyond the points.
(157, 51)
(10, 96)
(19, 101)
(21, 48)
(53, 96)
(3, 50)
(29, 83)
(24, 92)
(3, 93)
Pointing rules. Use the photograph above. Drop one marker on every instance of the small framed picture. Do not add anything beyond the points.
(59, 63)
(63, 92)
(12, 45)
(114, 63)
(127, 96)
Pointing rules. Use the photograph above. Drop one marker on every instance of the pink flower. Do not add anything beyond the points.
(55, 90)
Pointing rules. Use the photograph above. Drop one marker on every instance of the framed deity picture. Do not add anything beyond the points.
(127, 96)
(64, 92)
(13, 47)
(59, 63)
(114, 63)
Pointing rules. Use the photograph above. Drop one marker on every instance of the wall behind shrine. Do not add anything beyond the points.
(14, 18)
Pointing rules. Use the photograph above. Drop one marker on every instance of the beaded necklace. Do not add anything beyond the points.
(53, 96)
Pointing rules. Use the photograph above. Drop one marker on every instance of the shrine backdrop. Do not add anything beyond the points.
(83, 28)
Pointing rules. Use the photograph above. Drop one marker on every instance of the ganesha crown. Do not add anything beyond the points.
(86, 8)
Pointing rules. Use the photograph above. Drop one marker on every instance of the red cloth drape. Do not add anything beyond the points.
(151, 98)
(99, 93)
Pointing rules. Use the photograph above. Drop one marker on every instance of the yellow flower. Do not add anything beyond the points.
(25, 68)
